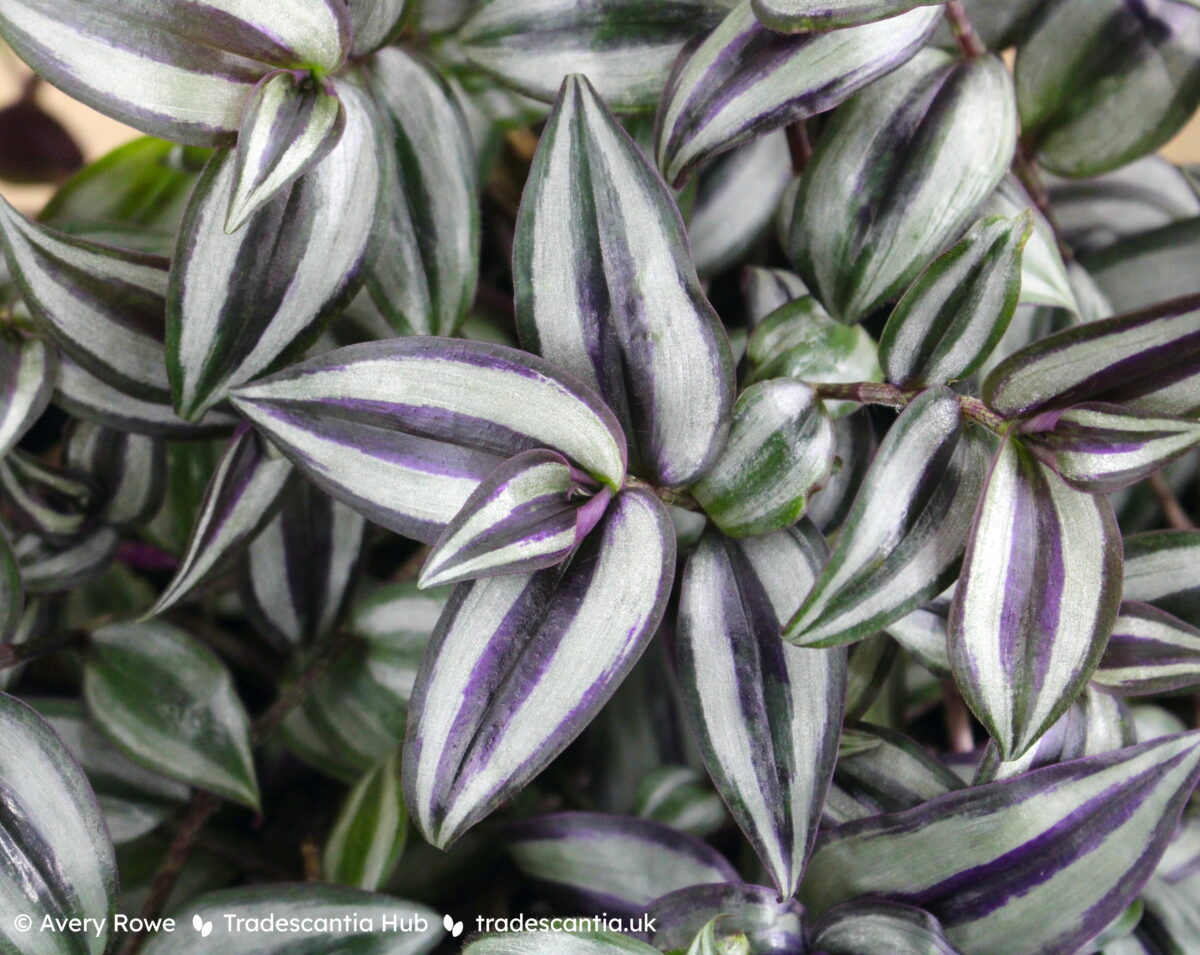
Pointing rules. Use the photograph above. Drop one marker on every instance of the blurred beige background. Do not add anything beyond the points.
(97, 134)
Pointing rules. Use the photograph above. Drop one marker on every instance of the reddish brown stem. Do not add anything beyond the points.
(964, 32)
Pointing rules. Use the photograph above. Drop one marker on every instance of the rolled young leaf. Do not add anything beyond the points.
(1098, 824)
(487, 715)
(780, 447)
(1160, 568)
(130, 471)
(28, 370)
(404, 431)
(954, 315)
(1037, 599)
(766, 715)
(889, 772)
(903, 539)
(743, 81)
(375, 23)
(611, 863)
(1102, 448)
(879, 928)
(606, 288)
(1081, 123)
(771, 926)
(624, 47)
(1148, 360)
(168, 702)
(177, 69)
(298, 259)
(1150, 652)
(239, 500)
(423, 277)
(367, 840)
(897, 174)
(58, 860)
(292, 121)
(530, 513)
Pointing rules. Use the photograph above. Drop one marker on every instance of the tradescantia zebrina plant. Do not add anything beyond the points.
(723, 466)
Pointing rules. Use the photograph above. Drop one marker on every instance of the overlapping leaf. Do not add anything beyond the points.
(794, 16)
(1160, 568)
(375, 23)
(50, 568)
(879, 928)
(606, 289)
(1038, 596)
(770, 926)
(1144, 268)
(49, 500)
(1150, 651)
(405, 430)
(28, 370)
(130, 471)
(366, 841)
(902, 542)
(765, 714)
(487, 715)
(900, 170)
(889, 772)
(12, 591)
(766, 290)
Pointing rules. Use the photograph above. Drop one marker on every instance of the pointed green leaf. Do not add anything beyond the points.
(794, 16)
(366, 842)
(28, 371)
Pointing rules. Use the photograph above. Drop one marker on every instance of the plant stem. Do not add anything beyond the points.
(964, 32)
(800, 146)
(295, 694)
(874, 393)
(958, 718)
(1026, 169)
(12, 655)
(1177, 518)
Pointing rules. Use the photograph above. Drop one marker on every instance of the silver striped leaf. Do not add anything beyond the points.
(12, 591)
(706, 943)
(58, 859)
(680, 797)
(404, 431)
(579, 942)
(766, 715)
(903, 539)
(888, 772)
(870, 664)
(53, 501)
(1081, 125)
(355, 715)
(299, 260)
(766, 290)
(488, 714)
(176, 68)
(292, 121)
(1037, 599)
(103, 306)
(999, 25)
(956, 312)
(1102, 448)
(528, 514)
(1150, 652)
(781, 446)
(744, 80)
(423, 278)
(871, 927)
(923, 634)
(1160, 568)
(298, 571)
(1098, 824)
(795, 16)
(326, 918)
(368, 836)
(168, 703)
(376, 23)
(856, 446)
(624, 47)
(240, 499)
(130, 471)
(47, 568)
(28, 371)
(769, 925)
(897, 175)
(1155, 371)
(1147, 267)
(606, 288)
(598, 862)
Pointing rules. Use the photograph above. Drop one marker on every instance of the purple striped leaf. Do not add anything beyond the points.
(1037, 599)
(1147, 360)
(240, 499)
(744, 80)
(606, 288)
(1160, 568)
(130, 471)
(1150, 652)
(897, 175)
(770, 926)
(179, 69)
(903, 540)
(624, 47)
(1102, 448)
(291, 123)
(423, 278)
(1098, 824)
(28, 370)
(766, 715)
(50, 568)
(579, 942)
(50, 500)
(528, 514)
(888, 772)
(519, 665)
(957, 311)
(781, 446)
(298, 571)
(405, 430)
(375, 23)
(598, 862)
(103, 306)
(12, 591)
(299, 259)
(872, 927)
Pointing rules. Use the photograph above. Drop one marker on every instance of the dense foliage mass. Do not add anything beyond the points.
(724, 465)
